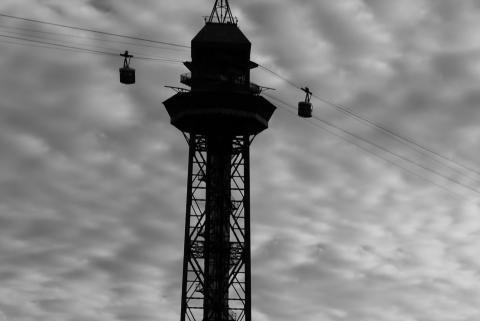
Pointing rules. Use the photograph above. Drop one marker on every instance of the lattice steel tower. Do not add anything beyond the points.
(219, 117)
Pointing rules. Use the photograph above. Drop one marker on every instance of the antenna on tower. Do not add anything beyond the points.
(221, 13)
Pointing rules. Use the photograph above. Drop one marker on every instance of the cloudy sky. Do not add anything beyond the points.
(93, 176)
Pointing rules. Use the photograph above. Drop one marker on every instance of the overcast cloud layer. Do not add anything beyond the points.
(93, 176)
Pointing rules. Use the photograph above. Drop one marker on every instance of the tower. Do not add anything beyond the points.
(219, 117)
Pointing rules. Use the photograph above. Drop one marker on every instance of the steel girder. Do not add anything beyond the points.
(199, 296)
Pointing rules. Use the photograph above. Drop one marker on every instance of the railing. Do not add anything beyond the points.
(253, 88)
(186, 79)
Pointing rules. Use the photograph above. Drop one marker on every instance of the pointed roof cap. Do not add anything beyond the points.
(221, 13)
(213, 33)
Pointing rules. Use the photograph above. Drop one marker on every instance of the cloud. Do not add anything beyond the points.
(93, 176)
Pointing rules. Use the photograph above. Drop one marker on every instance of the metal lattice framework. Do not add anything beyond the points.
(195, 298)
(221, 13)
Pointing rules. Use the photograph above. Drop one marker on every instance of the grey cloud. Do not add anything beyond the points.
(92, 175)
(102, 5)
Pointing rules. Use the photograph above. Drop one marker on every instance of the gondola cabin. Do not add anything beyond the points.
(305, 109)
(127, 74)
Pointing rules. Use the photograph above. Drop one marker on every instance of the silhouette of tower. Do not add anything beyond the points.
(219, 117)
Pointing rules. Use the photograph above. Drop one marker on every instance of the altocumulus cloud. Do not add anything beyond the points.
(92, 176)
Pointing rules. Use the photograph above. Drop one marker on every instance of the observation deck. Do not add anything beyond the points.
(222, 100)
(230, 113)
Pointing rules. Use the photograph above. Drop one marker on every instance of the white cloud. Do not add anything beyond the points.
(93, 176)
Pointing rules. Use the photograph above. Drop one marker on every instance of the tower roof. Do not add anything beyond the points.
(221, 33)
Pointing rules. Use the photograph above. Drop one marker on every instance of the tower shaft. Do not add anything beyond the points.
(216, 269)
(217, 227)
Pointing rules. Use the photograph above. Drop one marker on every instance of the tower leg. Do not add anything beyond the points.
(246, 213)
(193, 257)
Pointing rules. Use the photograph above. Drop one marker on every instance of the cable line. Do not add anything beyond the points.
(97, 47)
(405, 140)
(291, 83)
(59, 45)
(94, 31)
(378, 156)
(87, 49)
(44, 46)
(70, 35)
(57, 41)
(406, 159)
(385, 150)
(397, 136)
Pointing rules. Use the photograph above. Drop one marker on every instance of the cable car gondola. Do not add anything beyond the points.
(305, 107)
(127, 74)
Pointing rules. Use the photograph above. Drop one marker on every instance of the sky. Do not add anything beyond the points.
(348, 222)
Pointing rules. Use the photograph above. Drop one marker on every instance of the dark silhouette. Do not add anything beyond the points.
(219, 117)
(305, 107)
(127, 74)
